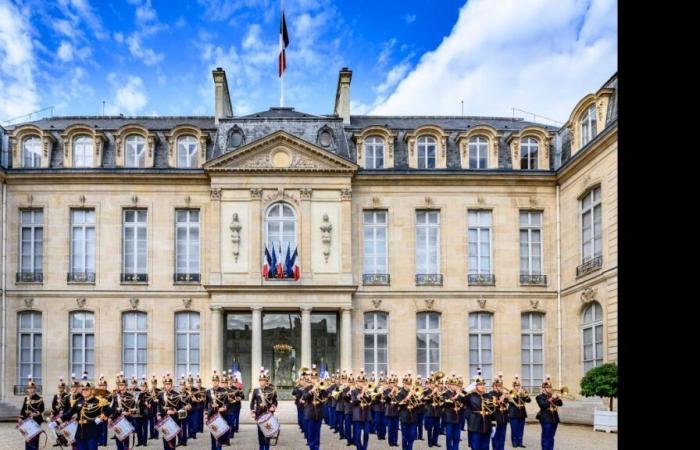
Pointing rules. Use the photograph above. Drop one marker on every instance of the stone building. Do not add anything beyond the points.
(402, 243)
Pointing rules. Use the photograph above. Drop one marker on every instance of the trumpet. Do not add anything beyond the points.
(563, 392)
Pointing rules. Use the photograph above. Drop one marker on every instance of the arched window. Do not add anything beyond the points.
(186, 342)
(374, 152)
(481, 344)
(592, 336)
(427, 343)
(529, 149)
(280, 230)
(478, 152)
(29, 346)
(426, 152)
(588, 125)
(31, 152)
(82, 343)
(187, 152)
(134, 344)
(376, 342)
(135, 151)
(82, 151)
(532, 351)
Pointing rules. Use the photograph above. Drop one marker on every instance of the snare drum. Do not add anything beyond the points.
(29, 429)
(122, 428)
(68, 430)
(168, 427)
(217, 426)
(269, 426)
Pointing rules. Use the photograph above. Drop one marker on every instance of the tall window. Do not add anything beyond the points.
(82, 151)
(530, 242)
(592, 336)
(375, 242)
(376, 342)
(280, 226)
(427, 242)
(374, 152)
(186, 342)
(187, 247)
(29, 346)
(135, 151)
(427, 343)
(532, 334)
(588, 125)
(478, 152)
(481, 344)
(479, 242)
(82, 343)
(82, 259)
(187, 152)
(31, 249)
(31, 152)
(426, 152)
(591, 224)
(529, 148)
(134, 344)
(135, 242)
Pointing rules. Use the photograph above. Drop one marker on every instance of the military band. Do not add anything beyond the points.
(263, 401)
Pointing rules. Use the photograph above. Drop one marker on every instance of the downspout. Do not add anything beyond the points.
(4, 298)
(559, 342)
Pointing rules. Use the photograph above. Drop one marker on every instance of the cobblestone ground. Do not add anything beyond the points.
(573, 437)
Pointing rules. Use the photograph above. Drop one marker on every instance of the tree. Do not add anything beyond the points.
(601, 381)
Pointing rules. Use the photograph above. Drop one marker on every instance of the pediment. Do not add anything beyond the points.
(280, 152)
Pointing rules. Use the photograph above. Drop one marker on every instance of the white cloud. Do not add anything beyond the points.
(17, 86)
(537, 55)
(409, 18)
(147, 55)
(396, 74)
(119, 37)
(129, 95)
(65, 51)
(385, 54)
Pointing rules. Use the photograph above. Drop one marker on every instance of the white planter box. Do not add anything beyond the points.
(605, 421)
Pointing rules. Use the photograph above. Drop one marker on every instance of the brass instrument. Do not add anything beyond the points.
(564, 392)
(319, 386)
(414, 398)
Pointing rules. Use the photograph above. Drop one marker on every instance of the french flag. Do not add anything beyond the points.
(284, 42)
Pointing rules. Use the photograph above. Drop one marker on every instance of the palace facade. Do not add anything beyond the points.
(284, 239)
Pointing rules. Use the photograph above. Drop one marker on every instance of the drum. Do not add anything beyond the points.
(182, 414)
(217, 426)
(168, 427)
(122, 428)
(269, 426)
(29, 429)
(68, 431)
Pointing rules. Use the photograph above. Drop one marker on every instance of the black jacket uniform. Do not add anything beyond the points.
(548, 409)
(127, 404)
(216, 398)
(500, 414)
(406, 414)
(169, 403)
(516, 407)
(263, 399)
(360, 413)
(31, 405)
(480, 417)
(59, 403)
(347, 403)
(391, 409)
(452, 404)
(313, 403)
(87, 411)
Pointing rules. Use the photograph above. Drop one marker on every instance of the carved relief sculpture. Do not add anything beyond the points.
(326, 236)
(235, 235)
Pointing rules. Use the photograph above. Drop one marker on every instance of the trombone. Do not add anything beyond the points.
(564, 393)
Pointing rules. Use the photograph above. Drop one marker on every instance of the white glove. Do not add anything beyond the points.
(98, 421)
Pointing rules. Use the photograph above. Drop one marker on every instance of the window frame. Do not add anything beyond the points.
(591, 209)
(478, 243)
(375, 332)
(281, 221)
(533, 382)
(84, 226)
(138, 156)
(428, 331)
(32, 153)
(188, 225)
(478, 144)
(596, 322)
(480, 332)
(528, 143)
(135, 332)
(84, 142)
(529, 228)
(193, 157)
(83, 332)
(589, 125)
(375, 226)
(188, 350)
(32, 331)
(33, 226)
(423, 142)
(135, 240)
(374, 144)
(428, 226)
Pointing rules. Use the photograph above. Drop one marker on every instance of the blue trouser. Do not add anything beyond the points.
(408, 435)
(378, 422)
(324, 414)
(498, 441)
(314, 433)
(452, 432)
(517, 427)
(300, 417)
(348, 428)
(169, 445)
(305, 429)
(236, 418)
(263, 442)
(33, 444)
(339, 424)
(372, 423)
(479, 441)
(191, 424)
(331, 417)
(462, 419)
(360, 431)
(153, 432)
(228, 417)
(215, 443)
(548, 431)
(86, 444)
(419, 426)
(393, 430)
(182, 435)
(141, 431)
(102, 439)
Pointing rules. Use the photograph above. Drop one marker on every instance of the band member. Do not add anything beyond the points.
(297, 393)
(216, 403)
(33, 406)
(517, 413)
(419, 411)
(200, 395)
(169, 403)
(407, 416)
(391, 410)
(481, 407)
(263, 400)
(340, 405)
(452, 402)
(153, 394)
(361, 414)
(314, 399)
(227, 383)
(59, 404)
(196, 399)
(377, 409)
(500, 414)
(332, 402)
(237, 398)
(548, 416)
(347, 411)
(90, 412)
(124, 403)
(103, 393)
(142, 396)
(184, 410)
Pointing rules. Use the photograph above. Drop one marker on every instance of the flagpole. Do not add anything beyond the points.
(282, 77)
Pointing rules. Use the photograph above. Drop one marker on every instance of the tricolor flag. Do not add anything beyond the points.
(284, 42)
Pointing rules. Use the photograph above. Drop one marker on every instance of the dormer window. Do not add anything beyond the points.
(83, 151)
(478, 152)
(187, 152)
(325, 138)
(374, 150)
(529, 149)
(426, 152)
(31, 152)
(135, 151)
(588, 125)
(235, 138)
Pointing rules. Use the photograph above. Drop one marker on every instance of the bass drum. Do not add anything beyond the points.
(269, 427)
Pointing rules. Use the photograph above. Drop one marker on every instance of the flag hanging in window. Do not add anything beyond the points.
(284, 42)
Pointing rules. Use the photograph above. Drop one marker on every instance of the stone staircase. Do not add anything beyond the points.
(8, 412)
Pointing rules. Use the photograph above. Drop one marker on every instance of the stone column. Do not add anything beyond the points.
(256, 351)
(346, 339)
(306, 336)
(217, 339)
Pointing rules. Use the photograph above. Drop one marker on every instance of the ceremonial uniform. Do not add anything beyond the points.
(314, 398)
(347, 410)
(124, 403)
(262, 400)
(236, 397)
(361, 415)
(186, 406)
(59, 404)
(217, 402)
(479, 420)
(517, 414)
(407, 417)
(548, 416)
(90, 412)
(391, 412)
(377, 409)
(169, 403)
(433, 411)
(152, 408)
(297, 393)
(33, 406)
(500, 414)
(197, 397)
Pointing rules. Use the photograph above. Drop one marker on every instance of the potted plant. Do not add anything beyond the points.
(602, 382)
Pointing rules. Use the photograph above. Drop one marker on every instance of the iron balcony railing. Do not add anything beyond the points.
(134, 277)
(187, 277)
(535, 280)
(429, 279)
(589, 266)
(30, 277)
(482, 279)
(81, 277)
(376, 279)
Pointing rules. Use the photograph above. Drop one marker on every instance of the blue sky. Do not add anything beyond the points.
(154, 57)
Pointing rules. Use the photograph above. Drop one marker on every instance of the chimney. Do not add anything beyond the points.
(222, 100)
(342, 95)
